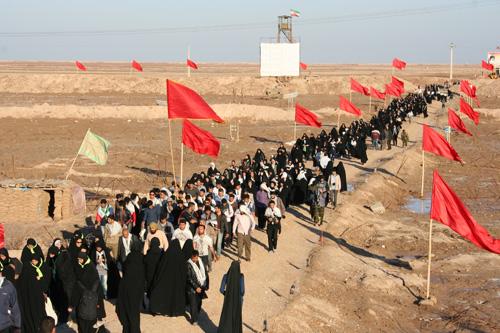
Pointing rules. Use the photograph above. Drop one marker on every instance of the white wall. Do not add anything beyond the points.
(279, 59)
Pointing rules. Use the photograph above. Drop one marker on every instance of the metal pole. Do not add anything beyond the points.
(189, 67)
(423, 174)
(429, 261)
(78, 153)
(182, 163)
(452, 45)
(171, 150)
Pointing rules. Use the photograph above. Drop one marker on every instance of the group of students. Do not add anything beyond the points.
(155, 253)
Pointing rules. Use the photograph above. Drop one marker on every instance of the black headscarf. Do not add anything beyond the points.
(30, 295)
(168, 293)
(8, 271)
(131, 290)
(151, 262)
(230, 318)
(27, 252)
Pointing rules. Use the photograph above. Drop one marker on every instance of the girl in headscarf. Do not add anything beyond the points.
(30, 291)
(30, 248)
(233, 288)
(131, 291)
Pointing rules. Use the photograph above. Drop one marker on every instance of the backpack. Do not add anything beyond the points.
(87, 308)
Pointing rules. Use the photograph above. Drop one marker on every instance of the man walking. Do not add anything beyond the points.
(10, 316)
(334, 183)
(197, 285)
(273, 217)
(242, 227)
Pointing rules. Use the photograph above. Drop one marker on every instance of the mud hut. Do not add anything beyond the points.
(32, 200)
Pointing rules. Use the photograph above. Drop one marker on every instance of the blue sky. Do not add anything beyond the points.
(422, 38)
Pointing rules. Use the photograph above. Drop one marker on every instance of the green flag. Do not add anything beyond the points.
(95, 148)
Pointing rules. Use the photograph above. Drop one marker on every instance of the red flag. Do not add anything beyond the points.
(2, 236)
(303, 66)
(306, 117)
(466, 109)
(435, 143)
(191, 64)
(80, 66)
(377, 94)
(391, 89)
(469, 90)
(200, 141)
(485, 65)
(137, 66)
(399, 64)
(356, 86)
(348, 106)
(455, 122)
(398, 83)
(186, 103)
(448, 209)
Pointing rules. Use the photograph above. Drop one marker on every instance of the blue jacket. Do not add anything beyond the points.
(8, 303)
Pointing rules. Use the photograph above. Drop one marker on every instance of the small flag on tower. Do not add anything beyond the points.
(294, 12)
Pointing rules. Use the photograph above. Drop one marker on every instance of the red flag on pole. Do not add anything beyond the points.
(2, 236)
(448, 209)
(80, 66)
(435, 143)
(469, 90)
(456, 123)
(303, 66)
(348, 106)
(356, 86)
(398, 83)
(137, 66)
(391, 89)
(377, 94)
(186, 103)
(191, 64)
(198, 140)
(466, 109)
(488, 67)
(306, 117)
(399, 64)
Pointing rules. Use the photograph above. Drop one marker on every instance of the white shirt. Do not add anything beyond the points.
(202, 243)
(182, 235)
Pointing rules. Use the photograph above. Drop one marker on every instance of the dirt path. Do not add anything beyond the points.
(269, 276)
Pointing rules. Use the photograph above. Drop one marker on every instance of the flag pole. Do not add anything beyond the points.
(429, 261)
(182, 162)
(78, 153)
(171, 150)
(350, 95)
(370, 104)
(294, 131)
(189, 67)
(423, 174)
(338, 118)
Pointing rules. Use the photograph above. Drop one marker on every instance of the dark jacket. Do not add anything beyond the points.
(8, 303)
(121, 256)
(192, 280)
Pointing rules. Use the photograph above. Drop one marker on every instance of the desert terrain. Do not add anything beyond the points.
(368, 273)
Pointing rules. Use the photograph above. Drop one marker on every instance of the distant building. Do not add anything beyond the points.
(34, 200)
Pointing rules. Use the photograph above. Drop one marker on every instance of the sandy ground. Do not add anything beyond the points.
(371, 268)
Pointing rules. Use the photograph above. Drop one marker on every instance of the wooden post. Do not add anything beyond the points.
(171, 149)
(78, 153)
(429, 261)
(423, 174)
(182, 163)
(189, 67)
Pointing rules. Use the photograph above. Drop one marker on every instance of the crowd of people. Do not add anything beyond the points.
(155, 253)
